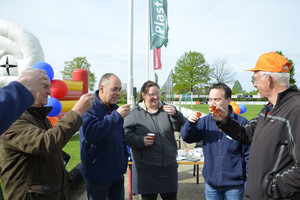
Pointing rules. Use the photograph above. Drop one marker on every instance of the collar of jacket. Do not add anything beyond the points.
(293, 90)
(111, 108)
(144, 107)
(39, 111)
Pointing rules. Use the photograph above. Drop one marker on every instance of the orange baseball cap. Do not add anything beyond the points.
(272, 62)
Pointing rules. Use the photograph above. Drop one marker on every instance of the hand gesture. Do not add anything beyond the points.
(148, 140)
(33, 79)
(219, 114)
(193, 117)
(170, 110)
(124, 110)
(84, 103)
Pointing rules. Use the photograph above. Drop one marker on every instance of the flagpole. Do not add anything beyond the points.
(130, 55)
(147, 38)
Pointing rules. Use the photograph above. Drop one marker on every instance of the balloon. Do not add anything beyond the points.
(59, 89)
(45, 66)
(53, 120)
(232, 103)
(56, 106)
(236, 109)
(243, 108)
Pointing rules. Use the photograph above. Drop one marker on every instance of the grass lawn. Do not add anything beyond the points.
(73, 149)
(251, 112)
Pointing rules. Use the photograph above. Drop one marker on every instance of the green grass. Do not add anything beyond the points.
(73, 149)
(251, 112)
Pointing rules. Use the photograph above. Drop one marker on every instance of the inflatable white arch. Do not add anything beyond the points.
(19, 50)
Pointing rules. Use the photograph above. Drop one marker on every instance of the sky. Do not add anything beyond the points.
(235, 30)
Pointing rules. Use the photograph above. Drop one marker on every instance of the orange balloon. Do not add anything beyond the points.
(236, 109)
(232, 103)
(53, 120)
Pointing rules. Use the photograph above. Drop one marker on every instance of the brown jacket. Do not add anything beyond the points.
(31, 158)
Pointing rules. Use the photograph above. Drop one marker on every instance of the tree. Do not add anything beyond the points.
(191, 71)
(237, 88)
(292, 69)
(222, 72)
(79, 62)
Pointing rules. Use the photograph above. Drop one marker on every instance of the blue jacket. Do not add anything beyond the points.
(103, 150)
(14, 100)
(225, 159)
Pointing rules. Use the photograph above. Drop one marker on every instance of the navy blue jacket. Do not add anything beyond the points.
(14, 100)
(225, 159)
(103, 150)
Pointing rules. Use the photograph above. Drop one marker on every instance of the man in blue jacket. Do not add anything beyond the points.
(225, 159)
(17, 96)
(104, 153)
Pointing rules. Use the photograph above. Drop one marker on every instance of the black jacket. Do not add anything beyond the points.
(274, 165)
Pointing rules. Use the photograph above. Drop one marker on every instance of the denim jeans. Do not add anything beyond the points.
(111, 191)
(224, 192)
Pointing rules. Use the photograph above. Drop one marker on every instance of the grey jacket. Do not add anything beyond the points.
(140, 122)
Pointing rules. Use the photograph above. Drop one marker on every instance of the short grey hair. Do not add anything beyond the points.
(105, 79)
(283, 79)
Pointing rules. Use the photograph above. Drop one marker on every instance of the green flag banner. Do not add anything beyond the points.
(156, 78)
(158, 24)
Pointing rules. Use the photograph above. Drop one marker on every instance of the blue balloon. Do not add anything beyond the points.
(243, 108)
(57, 107)
(45, 66)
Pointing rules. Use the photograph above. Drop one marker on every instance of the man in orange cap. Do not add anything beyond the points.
(274, 165)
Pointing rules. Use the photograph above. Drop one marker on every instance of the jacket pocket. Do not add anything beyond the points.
(41, 191)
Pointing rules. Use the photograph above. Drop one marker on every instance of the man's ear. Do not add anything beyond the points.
(271, 81)
(228, 101)
(101, 88)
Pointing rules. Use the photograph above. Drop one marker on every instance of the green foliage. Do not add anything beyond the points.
(237, 88)
(79, 62)
(292, 68)
(191, 71)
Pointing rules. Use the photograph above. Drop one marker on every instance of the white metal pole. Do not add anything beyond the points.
(130, 54)
(147, 38)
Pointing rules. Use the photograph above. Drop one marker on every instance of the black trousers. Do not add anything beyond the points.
(164, 196)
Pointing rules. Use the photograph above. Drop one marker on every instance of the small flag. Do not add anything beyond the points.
(157, 59)
(156, 78)
(158, 23)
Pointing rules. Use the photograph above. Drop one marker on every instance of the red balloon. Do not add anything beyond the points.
(59, 89)
(236, 109)
(53, 120)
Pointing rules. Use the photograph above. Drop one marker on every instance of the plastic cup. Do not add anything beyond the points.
(151, 135)
(198, 113)
(164, 107)
(213, 108)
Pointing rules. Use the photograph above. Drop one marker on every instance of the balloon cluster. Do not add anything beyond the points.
(238, 109)
(59, 90)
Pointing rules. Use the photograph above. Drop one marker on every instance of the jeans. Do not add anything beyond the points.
(224, 192)
(110, 191)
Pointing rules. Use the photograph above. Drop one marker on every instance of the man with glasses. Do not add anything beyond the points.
(104, 153)
(225, 159)
(274, 168)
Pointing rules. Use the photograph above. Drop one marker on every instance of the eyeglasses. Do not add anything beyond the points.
(154, 95)
(255, 79)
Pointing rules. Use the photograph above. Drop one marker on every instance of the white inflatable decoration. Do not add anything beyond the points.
(19, 50)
